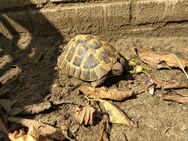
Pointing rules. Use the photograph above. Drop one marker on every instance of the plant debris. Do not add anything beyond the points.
(43, 129)
(115, 114)
(104, 93)
(9, 107)
(104, 128)
(159, 61)
(84, 115)
(32, 135)
(176, 98)
(169, 84)
(159, 83)
(36, 108)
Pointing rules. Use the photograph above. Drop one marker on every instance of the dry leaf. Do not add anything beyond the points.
(17, 135)
(37, 108)
(104, 93)
(29, 109)
(167, 84)
(159, 83)
(176, 98)
(43, 129)
(158, 60)
(115, 114)
(84, 115)
(10, 107)
(32, 135)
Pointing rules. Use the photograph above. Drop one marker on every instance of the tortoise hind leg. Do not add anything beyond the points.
(98, 82)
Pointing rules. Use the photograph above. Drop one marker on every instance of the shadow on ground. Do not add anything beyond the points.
(27, 61)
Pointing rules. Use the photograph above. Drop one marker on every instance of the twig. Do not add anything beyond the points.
(104, 127)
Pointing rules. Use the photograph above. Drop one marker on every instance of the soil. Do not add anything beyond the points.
(29, 75)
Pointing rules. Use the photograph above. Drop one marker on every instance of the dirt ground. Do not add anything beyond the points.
(29, 75)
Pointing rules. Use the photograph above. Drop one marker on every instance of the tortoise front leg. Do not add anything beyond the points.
(98, 82)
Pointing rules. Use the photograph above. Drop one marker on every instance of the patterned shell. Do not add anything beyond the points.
(87, 57)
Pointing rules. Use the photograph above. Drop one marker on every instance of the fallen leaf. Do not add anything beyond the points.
(43, 129)
(159, 83)
(169, 84)
(32, 135)
(158, 60)
(9, 106)
(115, 114)
(84, 115)
(176, 98)
(13, 110)
(17, 135)
(36, 108)
(104, 93)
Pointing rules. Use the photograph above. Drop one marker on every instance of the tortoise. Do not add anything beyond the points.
(89, 58)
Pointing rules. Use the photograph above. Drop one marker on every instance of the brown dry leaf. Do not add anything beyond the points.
(167, 84)
(158, 60)
(43, 129)
(159, 83)
(176, 98)
(31, 109)
(17, 135)
(37, 108)
(84, 115)
(10, 107)
(104, 93)
(32, 135)
(115, 114)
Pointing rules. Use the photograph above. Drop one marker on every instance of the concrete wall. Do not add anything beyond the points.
(70, 17)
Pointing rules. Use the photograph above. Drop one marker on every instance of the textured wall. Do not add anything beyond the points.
(71, 17)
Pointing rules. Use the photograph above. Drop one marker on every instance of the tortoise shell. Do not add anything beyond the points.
(87, 57)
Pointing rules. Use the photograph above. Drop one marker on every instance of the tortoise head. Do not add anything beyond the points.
(119, 67)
